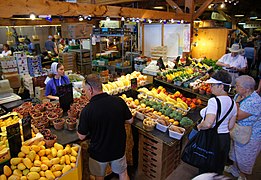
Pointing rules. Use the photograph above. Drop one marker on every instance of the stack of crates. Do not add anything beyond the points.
(68, 60)
(22, 64)
(157, 160)
(34, 65)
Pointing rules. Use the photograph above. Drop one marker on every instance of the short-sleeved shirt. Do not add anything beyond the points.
(49, 45)
(103, 121)
(211, 108)
(237, 61)
(7, 53)
(50, 88)
(252, 105)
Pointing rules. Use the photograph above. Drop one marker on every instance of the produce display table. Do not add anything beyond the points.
(65, 136)
(180, 88)
(158, 154)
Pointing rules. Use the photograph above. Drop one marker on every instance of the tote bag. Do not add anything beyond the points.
(202, 150)
(241, 134)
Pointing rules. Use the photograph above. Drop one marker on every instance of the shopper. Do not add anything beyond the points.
(249, 53)
(57, 78)
(102, 120)
(233, 62)
(248, 114)
(6, 50)
(50, 45)
(220, 85)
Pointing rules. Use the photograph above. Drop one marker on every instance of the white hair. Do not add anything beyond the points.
(246, 82)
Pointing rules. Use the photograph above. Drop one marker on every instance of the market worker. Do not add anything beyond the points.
(57, 78)
(233, 62)
(103, 121)
(50, 45)
(6, 50)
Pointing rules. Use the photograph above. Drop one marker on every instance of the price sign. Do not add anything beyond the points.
(27, 130)
(14, 139)
(134, 83)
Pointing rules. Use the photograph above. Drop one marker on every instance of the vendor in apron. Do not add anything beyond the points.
(233, 62)
(57, 79)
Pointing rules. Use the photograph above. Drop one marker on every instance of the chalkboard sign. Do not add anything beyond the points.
(27, 130)
(134, 83)
(14, 139)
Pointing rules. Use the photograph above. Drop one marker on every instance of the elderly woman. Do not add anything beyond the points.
(220, 85)
(249, 114)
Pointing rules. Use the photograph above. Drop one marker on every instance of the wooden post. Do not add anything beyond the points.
(174, 6)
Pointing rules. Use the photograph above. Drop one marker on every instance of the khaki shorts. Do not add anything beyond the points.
(118, 166)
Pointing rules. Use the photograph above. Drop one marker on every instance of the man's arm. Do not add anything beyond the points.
(81, 137)
(129, 121)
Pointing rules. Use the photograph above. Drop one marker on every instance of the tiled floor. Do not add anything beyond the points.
(187, 172)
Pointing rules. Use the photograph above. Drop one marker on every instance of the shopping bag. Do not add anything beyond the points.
(241, 134)
(202, 150)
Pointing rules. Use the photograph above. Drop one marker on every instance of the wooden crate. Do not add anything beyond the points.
(156, 159)
(84, 69)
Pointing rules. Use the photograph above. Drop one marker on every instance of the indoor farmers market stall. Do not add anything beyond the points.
(157, 61)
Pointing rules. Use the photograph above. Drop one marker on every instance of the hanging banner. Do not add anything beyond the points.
(186, 38)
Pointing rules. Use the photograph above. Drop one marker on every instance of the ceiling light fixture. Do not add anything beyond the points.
(253, 17)
(32, 16)
(122, 18)
(108, 18)
(197, 20)
(241, 23)
(259, 19)
(222, 5)
(160, 21)
(150, 21)
(172, 21)
(158, 7)
(239, 15)
(80, 18)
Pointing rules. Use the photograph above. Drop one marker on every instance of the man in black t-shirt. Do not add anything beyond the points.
(103, 121)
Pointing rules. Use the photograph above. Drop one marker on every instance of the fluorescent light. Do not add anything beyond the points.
(258, 19)
(253, 17)
(239, 15)
(241, 23)
(158, 7)
(222, 5)
(32, 16)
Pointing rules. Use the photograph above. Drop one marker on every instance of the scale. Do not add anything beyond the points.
(6, 92)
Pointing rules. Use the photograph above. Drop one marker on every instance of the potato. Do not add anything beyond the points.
(54, 152)
(73, 159)
(27, 162)
(15, 161)
(35, 169)
(37, 163)
(44, 167)
(14, 177)
(57, 173)
(55, 161)
(3, 177)
(25, 149)
(35, 148)
(58, 146)
(41, 152)
(21, 166)
(49, 175)
(18, 172)
(66, 168)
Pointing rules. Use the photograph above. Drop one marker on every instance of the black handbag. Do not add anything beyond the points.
(202, 150)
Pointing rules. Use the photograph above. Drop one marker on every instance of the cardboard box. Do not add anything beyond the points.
(39, 93)
(14, 80)
(76, 30)
(75, 173)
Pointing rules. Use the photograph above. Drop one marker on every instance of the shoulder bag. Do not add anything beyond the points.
(202, 150)
(241, 134)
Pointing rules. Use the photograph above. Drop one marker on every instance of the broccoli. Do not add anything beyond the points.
(185, 122)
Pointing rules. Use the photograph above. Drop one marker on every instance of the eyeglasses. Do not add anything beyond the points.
(86, 82)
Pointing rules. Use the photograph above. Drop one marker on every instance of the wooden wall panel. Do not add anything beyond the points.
(211, 43)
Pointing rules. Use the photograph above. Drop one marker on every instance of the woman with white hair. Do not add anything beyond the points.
(249, 114)
(57, 79)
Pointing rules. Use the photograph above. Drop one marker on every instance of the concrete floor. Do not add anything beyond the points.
(187, 172)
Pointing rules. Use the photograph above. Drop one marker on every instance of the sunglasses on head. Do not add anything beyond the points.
(86, 82)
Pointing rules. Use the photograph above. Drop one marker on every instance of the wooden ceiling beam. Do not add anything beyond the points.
(107, 2)
(202, 8)
(45, 7)
(20, 22)
(174, 6)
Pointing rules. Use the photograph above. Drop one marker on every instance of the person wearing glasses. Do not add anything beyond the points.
(233, 62)
(249, 114)
(57, 78)
(220, 85)
(103, 121)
